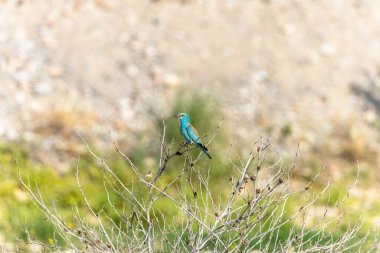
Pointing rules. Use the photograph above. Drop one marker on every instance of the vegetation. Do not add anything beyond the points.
(181, 201)
(147, 213)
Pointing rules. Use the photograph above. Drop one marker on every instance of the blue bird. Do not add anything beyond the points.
(190, 133)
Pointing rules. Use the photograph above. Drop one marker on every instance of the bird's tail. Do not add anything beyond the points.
(204, 149)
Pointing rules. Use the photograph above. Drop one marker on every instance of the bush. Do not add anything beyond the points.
(145, 212)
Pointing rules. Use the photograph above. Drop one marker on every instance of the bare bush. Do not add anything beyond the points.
(253, 216)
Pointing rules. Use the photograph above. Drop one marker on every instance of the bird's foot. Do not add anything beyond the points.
(183, 144)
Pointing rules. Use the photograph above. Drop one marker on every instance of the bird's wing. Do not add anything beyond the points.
(194, 130)
(193, 133)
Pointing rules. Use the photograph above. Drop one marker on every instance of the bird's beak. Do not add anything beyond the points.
(176, 116)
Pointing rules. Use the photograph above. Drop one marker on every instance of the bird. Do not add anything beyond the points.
(190, 133)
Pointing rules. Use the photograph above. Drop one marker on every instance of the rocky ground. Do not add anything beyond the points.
(304, 71)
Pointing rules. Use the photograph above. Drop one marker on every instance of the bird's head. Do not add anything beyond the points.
(182, 118)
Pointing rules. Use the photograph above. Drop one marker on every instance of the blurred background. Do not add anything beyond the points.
(296, 72)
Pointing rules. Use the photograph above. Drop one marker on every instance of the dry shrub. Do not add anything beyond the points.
(252, 215)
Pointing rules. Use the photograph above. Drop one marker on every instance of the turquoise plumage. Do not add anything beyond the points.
(190, 133)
